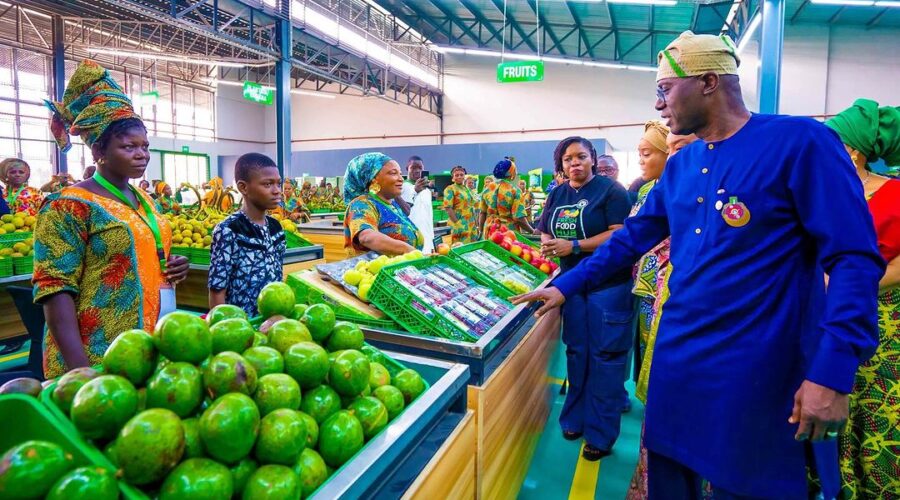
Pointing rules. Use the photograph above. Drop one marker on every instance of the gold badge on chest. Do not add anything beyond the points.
(735, 213)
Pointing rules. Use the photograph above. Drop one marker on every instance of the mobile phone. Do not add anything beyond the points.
(424, 174)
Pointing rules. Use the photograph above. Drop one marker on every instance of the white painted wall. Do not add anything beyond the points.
(824, 69)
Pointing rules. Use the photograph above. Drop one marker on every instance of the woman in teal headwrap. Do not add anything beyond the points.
(374, 220)
(870, 462)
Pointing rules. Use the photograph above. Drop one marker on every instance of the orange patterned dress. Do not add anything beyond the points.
(101, 252)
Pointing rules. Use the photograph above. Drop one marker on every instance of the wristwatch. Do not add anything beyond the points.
(576, 247)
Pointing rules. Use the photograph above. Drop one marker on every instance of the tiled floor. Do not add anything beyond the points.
(558, 471)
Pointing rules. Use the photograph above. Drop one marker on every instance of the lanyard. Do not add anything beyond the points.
(149, 218)
(11, 197)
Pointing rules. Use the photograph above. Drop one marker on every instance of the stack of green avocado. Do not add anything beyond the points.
(218, 409)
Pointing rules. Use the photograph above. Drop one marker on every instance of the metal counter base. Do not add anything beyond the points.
(392, 461)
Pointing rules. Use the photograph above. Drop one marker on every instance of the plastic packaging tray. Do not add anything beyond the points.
(304, 293)
(536, 275)
(334, 271)
(396, 300)
(293, 240)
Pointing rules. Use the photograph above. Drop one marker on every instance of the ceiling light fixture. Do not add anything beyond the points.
(849, 3)
(534, 57)
(887, 3)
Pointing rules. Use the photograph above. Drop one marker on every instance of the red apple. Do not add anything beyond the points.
(526, 256)
(553, 266)
(497, 237)
(506, 245)
(545, 268)
(516, 250)
(511, 235)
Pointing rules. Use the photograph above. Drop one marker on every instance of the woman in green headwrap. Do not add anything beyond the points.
(101, 250)
(374, 221)
(870, 461)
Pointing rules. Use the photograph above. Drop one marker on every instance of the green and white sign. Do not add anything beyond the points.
(259, 94)
(520, 71)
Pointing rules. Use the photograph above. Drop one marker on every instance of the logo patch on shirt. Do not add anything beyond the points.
(735, 213)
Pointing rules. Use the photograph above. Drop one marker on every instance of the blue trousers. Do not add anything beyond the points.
(598, 335)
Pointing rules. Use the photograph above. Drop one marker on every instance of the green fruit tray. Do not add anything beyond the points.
(304, 293)
(185, 251)
(6, 267)
(293, 240)
(320, 211)
(528, 240)
(381, 324)
(200, 256)
(9, 238)
(439, 215)
(41, 419)
(23, 265)
(392, 297)
(496, 251)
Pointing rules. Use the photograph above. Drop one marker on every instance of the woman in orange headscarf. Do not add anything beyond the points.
(164, 199)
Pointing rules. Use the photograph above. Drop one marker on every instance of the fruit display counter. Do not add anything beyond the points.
(507, 363)
(193, 292)
(329, 233)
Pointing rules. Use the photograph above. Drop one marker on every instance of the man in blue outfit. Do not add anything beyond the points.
(747, 365)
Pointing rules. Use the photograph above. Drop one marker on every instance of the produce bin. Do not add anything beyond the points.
(294, 240)
(6, 267)
(530, 275)
(416, 314)
(36, 421)
(23, 265)
(390, 462)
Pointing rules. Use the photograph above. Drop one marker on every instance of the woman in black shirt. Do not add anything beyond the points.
(579, 216)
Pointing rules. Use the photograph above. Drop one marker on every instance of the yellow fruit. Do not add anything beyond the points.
(2, 231)
(6, 252)
(20, 247)
(6, 218)
(364, 291)
(207, 240)
(197, 238)
(16, 254)
(353, 277)
(9, 227)
(187, 233)
(176, 238)
(18, 221)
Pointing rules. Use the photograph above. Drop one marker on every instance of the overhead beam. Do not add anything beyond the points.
(498, 4)
(796, 15)
(631, 49)
(547, 29)
(874, 21)
(581, 32)
(454, 18)
(476, 12)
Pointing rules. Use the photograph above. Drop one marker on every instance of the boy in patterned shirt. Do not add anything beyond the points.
(248, 247)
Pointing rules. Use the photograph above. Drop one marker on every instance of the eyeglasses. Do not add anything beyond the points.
(661, 94)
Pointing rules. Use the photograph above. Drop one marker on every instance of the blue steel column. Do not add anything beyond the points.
(59, 80)
(771, 44)
(283, 96)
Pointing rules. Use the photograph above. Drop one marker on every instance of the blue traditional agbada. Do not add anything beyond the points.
(750, 218)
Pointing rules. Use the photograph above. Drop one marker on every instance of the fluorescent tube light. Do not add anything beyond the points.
(229, 83)
(887, 3)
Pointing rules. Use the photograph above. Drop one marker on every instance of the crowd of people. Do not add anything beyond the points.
(757, 263)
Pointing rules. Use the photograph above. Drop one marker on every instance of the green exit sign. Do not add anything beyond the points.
(259, 94)
(520, 71)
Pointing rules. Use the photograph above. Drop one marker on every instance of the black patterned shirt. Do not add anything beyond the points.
(244, 258)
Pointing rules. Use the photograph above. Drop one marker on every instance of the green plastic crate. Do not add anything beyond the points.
(54, 422)
(439, 215)
(396, 300)
(382, 324)
(306, 294)
(23, 265)
(6, 267)
(8, 239)
(495, 250)
(293, 240)
(184, 251)
(200, 256)
(529, 240)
